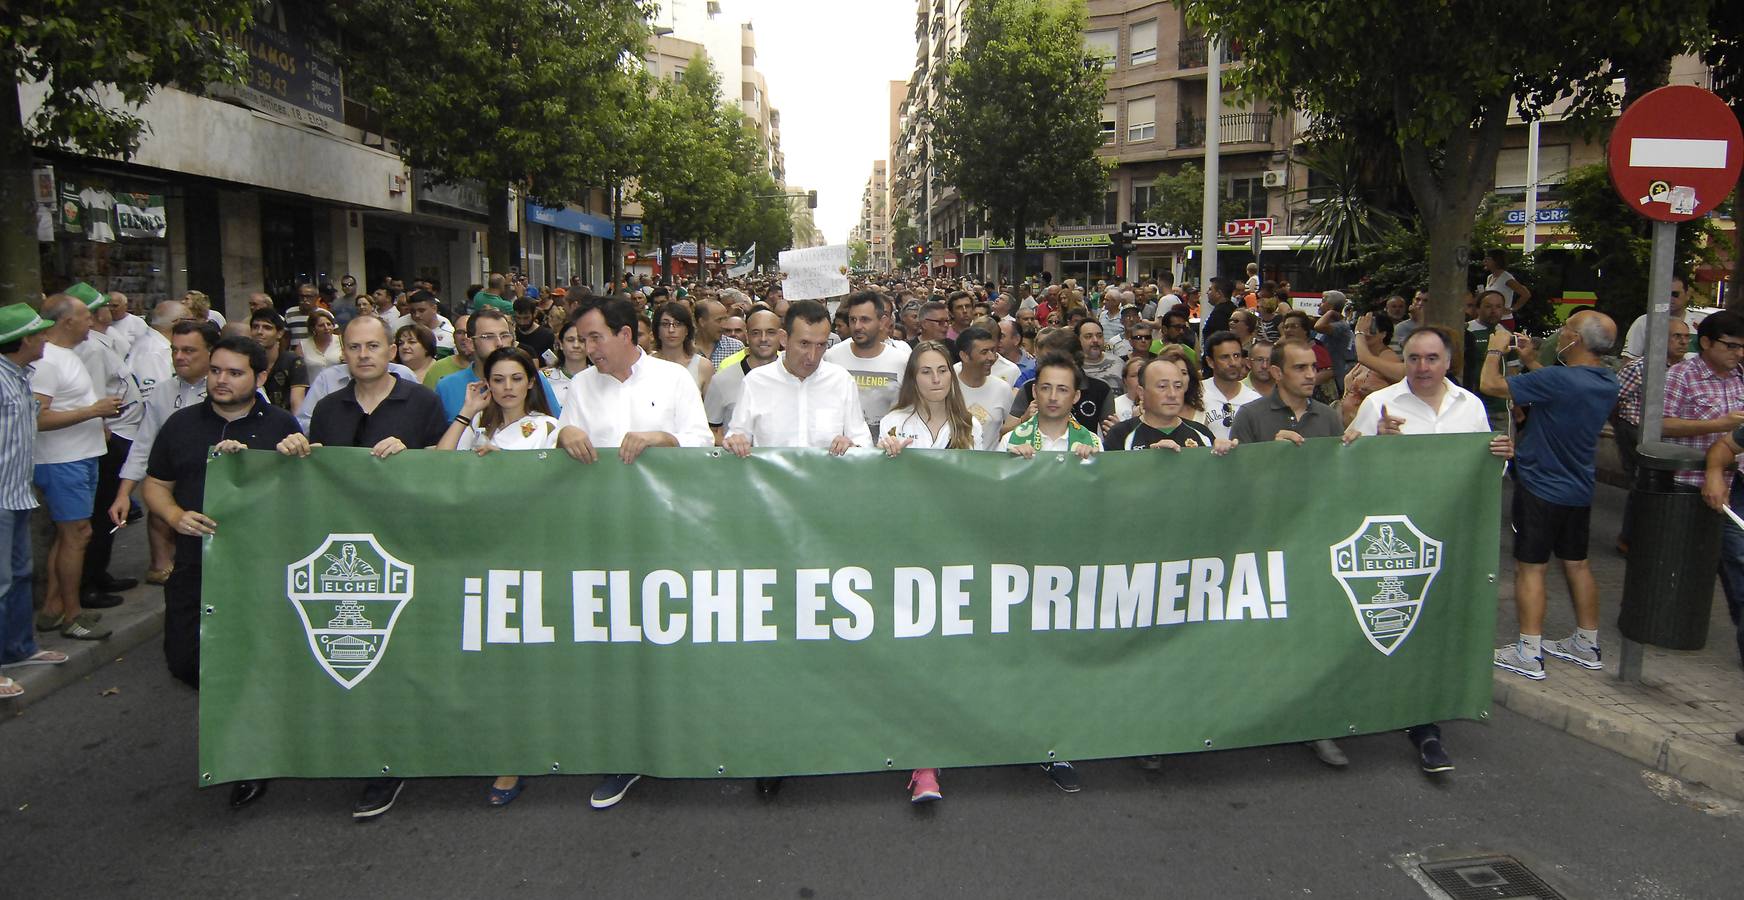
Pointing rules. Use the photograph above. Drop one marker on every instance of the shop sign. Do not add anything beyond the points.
(1555, 216)
(288, 75)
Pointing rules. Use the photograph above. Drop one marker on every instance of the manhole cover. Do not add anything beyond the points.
(1488, 878)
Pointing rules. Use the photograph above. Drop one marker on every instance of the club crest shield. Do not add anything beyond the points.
(349, 593)
(1386, 567)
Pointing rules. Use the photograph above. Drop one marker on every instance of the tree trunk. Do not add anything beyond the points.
(501, 249)
(702, 271)
(614, 268)
(1735, 289)
(1019, 243)
(20, 253)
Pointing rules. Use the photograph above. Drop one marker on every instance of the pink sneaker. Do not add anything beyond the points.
(924, 786)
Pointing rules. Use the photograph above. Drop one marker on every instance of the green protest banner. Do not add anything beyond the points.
(696, 614)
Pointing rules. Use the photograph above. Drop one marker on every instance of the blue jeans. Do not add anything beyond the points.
(1732, 563)
(17, 640)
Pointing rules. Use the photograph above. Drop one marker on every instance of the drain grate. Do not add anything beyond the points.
(1488, 878)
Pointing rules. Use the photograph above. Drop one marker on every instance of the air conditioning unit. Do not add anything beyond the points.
(1275, 178)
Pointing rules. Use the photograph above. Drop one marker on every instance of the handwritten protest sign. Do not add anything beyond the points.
(815, 272)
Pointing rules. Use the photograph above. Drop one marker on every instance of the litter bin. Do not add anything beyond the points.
(1674, 552)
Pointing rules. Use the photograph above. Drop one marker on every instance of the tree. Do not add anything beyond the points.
(1726, 57)
(1620, 243)
(494, 90)
(1445, 105)
(769, 224)
(858, 252)
(1179, 200)
(903, 235)
(1342, 213)
(1020, 123)
(98, 61)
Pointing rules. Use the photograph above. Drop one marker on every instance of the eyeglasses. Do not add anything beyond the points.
(1733, 346)
(936, 321)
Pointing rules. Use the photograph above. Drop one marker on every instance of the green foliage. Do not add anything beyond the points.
(80, 48)
(1341, 213)
(858, 253)
(1179, 199)
(1020, 123)
(1397, 262)
(903, 235)
(1620, 241)
(769, 221)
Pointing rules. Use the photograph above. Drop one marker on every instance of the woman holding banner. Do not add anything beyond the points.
(930, 412)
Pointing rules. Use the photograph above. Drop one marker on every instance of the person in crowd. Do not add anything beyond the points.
(190, 345)
(935, 321)
(1332, 331)
(346, 303)
(148, 360)
(22, 339)
(675, 342)
(763, 335)
(321, 348)
(1098, 363)
(1490, 312)
(1223, 305)
(1259, 367)
(1626, 418)
(386, 414)
(1721, 492)
(1057, 391)
(931, 412)
(1297, 325)
(487, 331)
(532, 334)
(961, 307)
(494, 296)
(772, 399)
(1497, 278)
(1227, 393)
(1426, 401)
(1377, 365)
(628, 401)
(127, 327)
(1635, 344)
(876, 365)
(733, 327)
(571, 353)
(287, 376)
(415, 348)
(1011, 351)
(1171, 391)
(1244, 324)
(200, 307)
(1131, 399)
(109, 376)
(297, 317)
(1094, 408)
(712, 339)
(1554, 473)
(458, 361)
(989, 399)
(423, 308)
(69, 442)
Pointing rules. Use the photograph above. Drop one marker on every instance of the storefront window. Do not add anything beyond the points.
(112, 235)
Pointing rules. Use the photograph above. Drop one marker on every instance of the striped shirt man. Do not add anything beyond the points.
(17, 436)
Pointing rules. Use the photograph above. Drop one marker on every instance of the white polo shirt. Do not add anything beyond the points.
(776, 409)
(1461, 411)
(657, 396)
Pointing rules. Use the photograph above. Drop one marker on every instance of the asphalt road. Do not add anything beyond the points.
(97, 784)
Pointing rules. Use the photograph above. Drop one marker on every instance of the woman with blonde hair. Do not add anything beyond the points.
(200, 308)
(321, 348)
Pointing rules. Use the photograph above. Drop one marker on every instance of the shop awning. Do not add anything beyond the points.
(565, 219)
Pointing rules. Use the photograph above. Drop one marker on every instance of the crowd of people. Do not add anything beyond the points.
(105, 409)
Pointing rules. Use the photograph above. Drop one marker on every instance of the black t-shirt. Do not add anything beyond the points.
(185, 443)
(1220, 315)
(537, 342)
(287, 372)
(410, 412)
(1134, 434)
(1095, 402)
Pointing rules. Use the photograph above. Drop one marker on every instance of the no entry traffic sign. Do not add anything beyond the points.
(1675, 153)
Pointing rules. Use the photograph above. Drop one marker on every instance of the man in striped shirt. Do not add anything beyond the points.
(21, 343)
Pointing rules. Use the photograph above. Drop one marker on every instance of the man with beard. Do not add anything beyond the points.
(875, 364)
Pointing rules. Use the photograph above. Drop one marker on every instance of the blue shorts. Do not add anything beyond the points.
(69, 489)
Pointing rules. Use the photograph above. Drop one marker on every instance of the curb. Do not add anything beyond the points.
(140, 624)
(1656, 746)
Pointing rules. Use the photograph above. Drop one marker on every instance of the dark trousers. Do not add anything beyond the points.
(1629, 454)
(102, 530)
(1420, 733)
(182, 624)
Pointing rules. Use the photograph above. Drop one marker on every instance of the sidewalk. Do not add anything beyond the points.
(137, 623)
(1682, 718)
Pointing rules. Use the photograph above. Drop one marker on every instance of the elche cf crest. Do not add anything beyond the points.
(349, 593)
(1386, 567)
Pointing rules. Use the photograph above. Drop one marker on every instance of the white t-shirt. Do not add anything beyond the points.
(110, 378)
(99, 216)
(1003, 369)
(61, 377)
(1124, 408)
(989, 405)
(1635, 343)
(130, 330)
(723, 391)
(879, 379)
(533, 431)
(149, 361)
(1219, 414)
(315, 359)
(906, 423)
(1498, 282)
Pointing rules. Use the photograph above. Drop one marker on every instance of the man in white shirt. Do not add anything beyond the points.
(803, 402)
(988, 397)
(123, 324)
(627, 399)
(1226, 393)
(762, 347)
(148, 362)
(1635, 344)
(110, 377)
(875, 365)
(1426, 402)
(631, 401)
(69, 441)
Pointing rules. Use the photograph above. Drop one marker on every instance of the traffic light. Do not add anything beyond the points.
(926, 250)
(919, 251)
(811, 199)
(1121, 246)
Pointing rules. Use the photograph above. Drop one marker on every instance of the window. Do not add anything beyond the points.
(1247, 198)
(1511, 167)
(1144, 42)
(1110, 206)
(1141, 119)
(1108, 126)
(1143, 195)
(1105, 44)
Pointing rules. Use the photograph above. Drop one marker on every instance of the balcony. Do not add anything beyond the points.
(1233, 128)
(1195, 52)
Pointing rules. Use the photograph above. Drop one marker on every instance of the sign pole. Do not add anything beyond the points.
(1208, 223)
(1653, 386)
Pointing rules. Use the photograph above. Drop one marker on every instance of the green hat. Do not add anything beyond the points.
(20, 321)
(90, 296)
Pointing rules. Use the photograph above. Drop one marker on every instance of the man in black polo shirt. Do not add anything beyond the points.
(233, 417)
(386, 414)
(1291, 413)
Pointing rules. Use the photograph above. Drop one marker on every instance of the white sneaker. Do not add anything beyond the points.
(1575, 650)
(1512, 659)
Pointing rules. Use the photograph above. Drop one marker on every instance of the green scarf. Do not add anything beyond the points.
(1030, 432)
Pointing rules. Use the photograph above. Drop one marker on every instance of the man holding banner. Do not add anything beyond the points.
(803, 402)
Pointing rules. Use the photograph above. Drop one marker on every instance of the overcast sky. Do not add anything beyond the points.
(829, 65)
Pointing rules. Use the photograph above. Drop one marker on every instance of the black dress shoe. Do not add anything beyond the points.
(99, 600)
(768, 787)
(243, 793)
(115, 585)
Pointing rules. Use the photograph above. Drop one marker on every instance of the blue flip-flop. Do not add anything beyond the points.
(500, 797)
